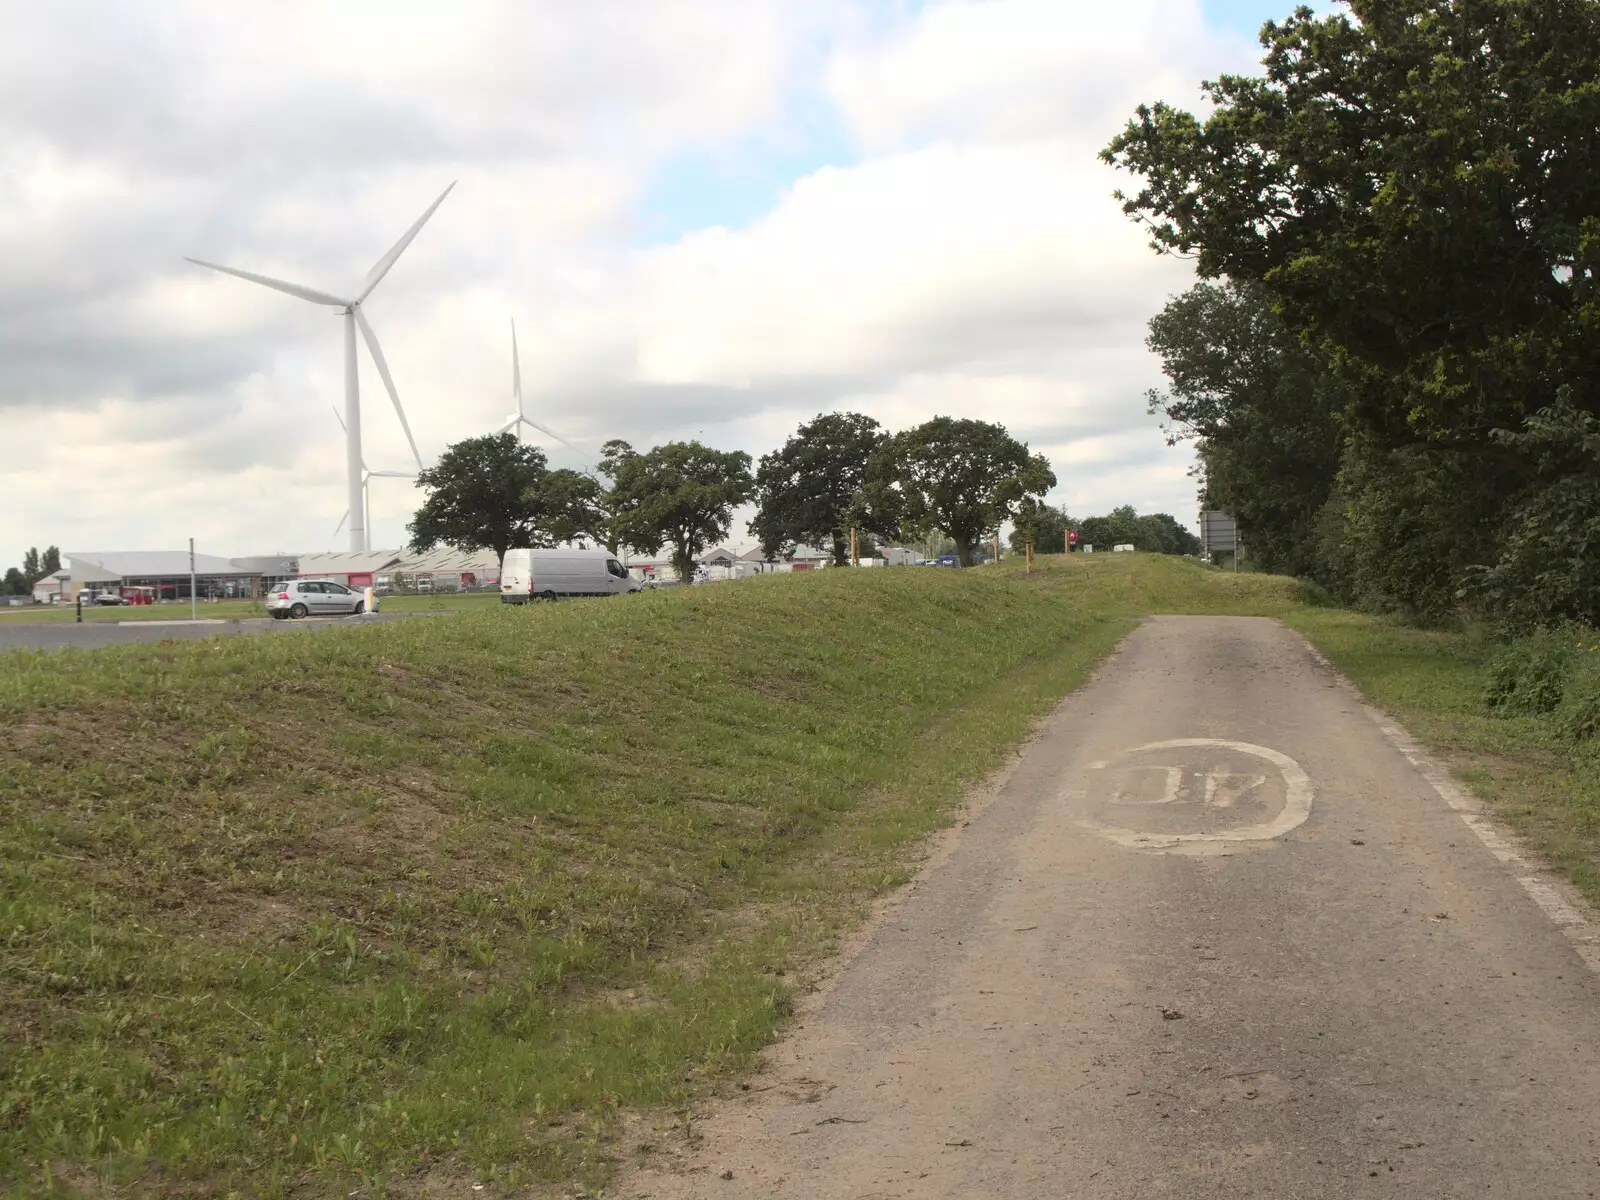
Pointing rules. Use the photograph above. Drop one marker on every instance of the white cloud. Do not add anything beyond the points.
(965, 258)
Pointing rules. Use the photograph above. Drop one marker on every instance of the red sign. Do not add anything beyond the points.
(1072, 536)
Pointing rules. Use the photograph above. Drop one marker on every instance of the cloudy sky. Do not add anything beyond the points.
(709, 218)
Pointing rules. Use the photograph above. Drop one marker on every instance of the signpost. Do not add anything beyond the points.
(1219, 534)
(194, 610)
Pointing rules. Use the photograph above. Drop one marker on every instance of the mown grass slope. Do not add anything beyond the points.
(395, 906)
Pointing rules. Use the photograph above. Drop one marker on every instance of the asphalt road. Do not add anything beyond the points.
(1271, 962)
(95, 635)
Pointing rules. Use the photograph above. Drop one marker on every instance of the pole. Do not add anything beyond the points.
(855, 548)
(997, 547)
(1030, 556)
(194, 612)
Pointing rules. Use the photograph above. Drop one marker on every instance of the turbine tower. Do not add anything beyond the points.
(521, 417)
(354, 318)
(367, 476)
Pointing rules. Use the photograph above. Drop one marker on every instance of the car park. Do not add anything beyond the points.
(300, 598)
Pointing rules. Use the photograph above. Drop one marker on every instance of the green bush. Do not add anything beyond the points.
(1528, 677)
(1578, 716)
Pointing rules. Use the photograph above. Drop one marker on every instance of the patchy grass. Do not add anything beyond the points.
(399, 903)
(1542, 780)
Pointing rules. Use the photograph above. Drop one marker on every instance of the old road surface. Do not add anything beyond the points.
(1216, 936)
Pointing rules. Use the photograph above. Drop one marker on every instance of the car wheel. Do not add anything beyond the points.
(298, 611)
(360, 608)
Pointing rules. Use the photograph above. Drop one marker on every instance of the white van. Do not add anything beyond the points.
(546, 574)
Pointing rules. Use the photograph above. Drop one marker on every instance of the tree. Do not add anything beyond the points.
(1041, 524)
(1154, 533)
(50, 562)
(1419, 192)
(963, 477)
(15, 584)
(1264, 414)
(810, 491)
(32, 571)
(680, 494)
(495, 492)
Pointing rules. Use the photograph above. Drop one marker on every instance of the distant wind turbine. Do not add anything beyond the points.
(350, 308)
(367, 477)
(521, 417)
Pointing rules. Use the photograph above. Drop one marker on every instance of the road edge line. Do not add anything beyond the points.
(1559, 902)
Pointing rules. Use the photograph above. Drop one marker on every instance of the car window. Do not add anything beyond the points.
(616, 568)
(312, 588)
(337, 589)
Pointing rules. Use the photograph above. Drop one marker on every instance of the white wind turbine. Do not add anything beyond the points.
(350, 308)
(367, 476)
(521, 417)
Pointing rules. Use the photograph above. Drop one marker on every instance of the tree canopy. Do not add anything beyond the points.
(496, 492)
(1415, 190)
(963, 477)
(810, 490)
(680, 494)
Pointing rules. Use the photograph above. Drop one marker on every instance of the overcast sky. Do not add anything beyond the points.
(709, 219)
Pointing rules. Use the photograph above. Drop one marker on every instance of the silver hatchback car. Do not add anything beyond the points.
(314, 598)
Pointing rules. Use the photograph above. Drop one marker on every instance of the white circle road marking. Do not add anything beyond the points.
(1296, 803)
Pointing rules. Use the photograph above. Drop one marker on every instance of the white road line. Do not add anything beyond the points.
(1564, 909)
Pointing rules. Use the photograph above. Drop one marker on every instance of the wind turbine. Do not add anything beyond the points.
(367, 475)
(354, 318)
(521, 417)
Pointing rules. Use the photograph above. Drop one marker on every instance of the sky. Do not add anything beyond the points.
(709, 219)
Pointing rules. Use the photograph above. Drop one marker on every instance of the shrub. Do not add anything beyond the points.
(1528, 677)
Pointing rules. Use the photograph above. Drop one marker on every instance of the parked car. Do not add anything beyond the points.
(90, 596)
(313, 598)
(547, 574)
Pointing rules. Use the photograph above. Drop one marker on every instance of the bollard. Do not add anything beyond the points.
(79, 599)
(371, 601)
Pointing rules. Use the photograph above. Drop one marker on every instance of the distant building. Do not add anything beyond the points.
(167, 571)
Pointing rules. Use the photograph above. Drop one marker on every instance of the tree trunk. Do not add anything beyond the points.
(841, 550)
(683, 561)
(963, 551)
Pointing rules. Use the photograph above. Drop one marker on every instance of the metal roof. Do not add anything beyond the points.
(146, 564)
(348, 562)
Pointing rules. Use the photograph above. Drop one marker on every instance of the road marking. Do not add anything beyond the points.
(1541, 888)
(1296, 804)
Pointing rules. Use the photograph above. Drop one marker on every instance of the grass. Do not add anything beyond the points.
(420, 901)
(228, 610)
(1543, 784)
(408, 906)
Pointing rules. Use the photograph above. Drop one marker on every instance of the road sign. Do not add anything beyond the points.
(1219, 532)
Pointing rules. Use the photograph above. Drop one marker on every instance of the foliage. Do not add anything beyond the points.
(14, 583)
(1155, 533)
(1416, 189)
(1044, 525)
(1528, 677)
(809, 491)
(1549, 562)
(680, 494)
(496, 492)
(1263, 413)
(962, 477)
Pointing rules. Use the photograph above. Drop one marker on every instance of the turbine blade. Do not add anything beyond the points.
(338, 416)
(342, 520)
(516, 368)
(388, 381)
(393, 474)
(381, 267)
(512, 423)
(277, 285)
(550, 433)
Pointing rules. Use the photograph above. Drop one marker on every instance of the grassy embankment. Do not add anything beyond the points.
(406, 905)
(227, 610)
